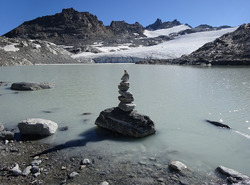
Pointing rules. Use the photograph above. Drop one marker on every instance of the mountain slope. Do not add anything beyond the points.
(229, 49)
(14, 51)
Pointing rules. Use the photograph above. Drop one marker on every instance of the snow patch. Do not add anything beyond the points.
(11, 47)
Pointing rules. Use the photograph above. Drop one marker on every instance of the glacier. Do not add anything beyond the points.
(180, 45)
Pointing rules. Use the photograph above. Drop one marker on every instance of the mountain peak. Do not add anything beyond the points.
(158, 24)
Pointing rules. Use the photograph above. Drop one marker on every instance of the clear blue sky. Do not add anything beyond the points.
(193, 12)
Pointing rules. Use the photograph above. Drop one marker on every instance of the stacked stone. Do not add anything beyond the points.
(126, 99)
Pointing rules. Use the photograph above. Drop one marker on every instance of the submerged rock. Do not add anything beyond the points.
(30, 86)
(124, 119)
(36, 126)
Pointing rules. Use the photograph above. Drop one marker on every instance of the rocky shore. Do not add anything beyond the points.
(84, 166)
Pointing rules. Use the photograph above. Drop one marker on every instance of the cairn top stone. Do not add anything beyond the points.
(125, 77)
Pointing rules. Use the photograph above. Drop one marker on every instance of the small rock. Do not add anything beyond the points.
(177, 166)
(36, 157)
(6, 142)
(36, 162)
(31, 86)
(14, 150)
(35, 169)
(82, 167)
(6, 135)
(36, 174)
(64, 128)
(160, 179)
(85, 162)
(16, 170)
(63, 168)
(27, 171)
(104, 183)
(73, 175)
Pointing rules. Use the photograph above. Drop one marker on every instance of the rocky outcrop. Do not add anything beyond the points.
(124, 119)
(30, 86)
(37, 127)
(201, 28)
(124, 29)
(16, 51)
(158, 24)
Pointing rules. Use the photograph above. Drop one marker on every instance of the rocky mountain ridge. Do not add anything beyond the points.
(82, 29)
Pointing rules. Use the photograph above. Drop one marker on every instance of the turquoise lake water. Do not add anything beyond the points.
(177, 98)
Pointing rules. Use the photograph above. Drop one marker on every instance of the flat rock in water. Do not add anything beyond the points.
(30, 86)
(126, 123)
(36, 126)
(232, 173)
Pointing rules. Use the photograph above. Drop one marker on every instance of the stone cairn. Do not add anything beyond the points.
(126, 99)
(124, 119)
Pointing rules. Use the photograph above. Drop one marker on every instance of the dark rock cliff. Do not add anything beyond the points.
(67, 27)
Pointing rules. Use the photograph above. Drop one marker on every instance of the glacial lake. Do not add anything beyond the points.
(177, 98)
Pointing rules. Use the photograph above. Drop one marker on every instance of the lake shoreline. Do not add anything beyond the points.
(57, 167)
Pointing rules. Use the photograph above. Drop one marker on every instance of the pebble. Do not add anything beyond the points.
(63, 168)
(16, 170)
(27, 171)
(104, 183)
(85, 161)
(82, 167)
(177, 165)
(36, 162)
(73, 174)
(35, 169)
(36, 174)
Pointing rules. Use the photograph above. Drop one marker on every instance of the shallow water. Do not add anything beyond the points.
(177, 98)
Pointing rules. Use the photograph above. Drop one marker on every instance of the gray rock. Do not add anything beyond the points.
(232, 173)
(30, 86)
(127, 107)
(36, 162)
(177, 166)
(85, 161)
(126, 94)
(1, 127)
(124, 99)
(36, 126)
(6, 135)
(73, 175)
(104, 183)
(27, 171)
(16, 170)
(123, 88)
(35, 169)
(126, 123)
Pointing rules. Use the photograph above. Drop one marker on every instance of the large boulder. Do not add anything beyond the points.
(36, 126)
(6, 135)
(126, 123)
(30, 86)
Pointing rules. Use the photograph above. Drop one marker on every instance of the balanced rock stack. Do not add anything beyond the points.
(124, 119)
(126, 99)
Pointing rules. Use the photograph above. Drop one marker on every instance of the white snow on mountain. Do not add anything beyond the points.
(183, 44)
(166, 32)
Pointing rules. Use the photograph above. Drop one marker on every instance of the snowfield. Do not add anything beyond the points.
(184, 44)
